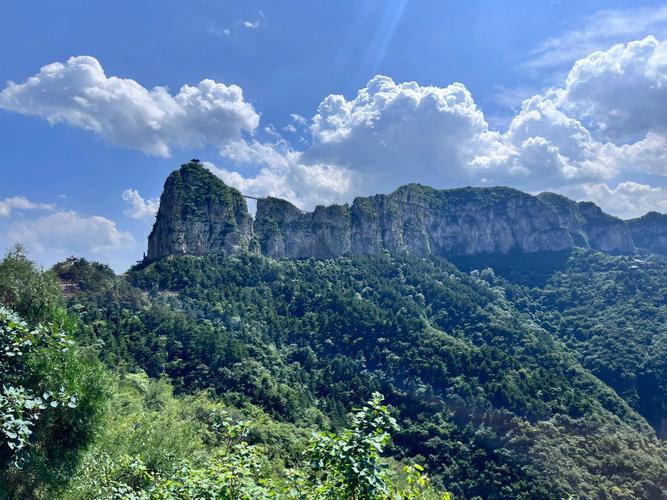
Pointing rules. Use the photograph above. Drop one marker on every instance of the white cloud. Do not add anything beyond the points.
(627, 200)
(600, 31)
(122, 111)
(20, 203)
(282, 174)
(216, 30)
(647, 156)
(253, 25)
(139, 208)
(397, 133)
(543, 144)
(621, 91)
(393, 133)
(250, 24)
(298, 119)
(261, 153)
(605, 125)
(56, 236)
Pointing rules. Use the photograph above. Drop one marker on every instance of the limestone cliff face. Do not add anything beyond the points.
(589, 226)
(199, 215)
(422, 220)
(650, 231)
(414, 219)
(284, 231)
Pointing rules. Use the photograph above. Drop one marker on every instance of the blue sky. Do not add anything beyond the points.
(319, 102)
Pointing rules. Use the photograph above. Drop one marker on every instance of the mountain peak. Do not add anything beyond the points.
(199, 214)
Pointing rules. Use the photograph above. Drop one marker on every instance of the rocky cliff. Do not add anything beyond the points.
(650, 232)
(589, 226)
(199, 214)
(414, 219)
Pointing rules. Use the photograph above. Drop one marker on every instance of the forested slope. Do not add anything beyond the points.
(612, 312)
(487, 394)
(73, 429)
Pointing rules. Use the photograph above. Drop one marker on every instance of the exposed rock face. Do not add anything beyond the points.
(415, 219)
(284, 231)
(421, 220)
(589, 226)
(198, 215)
(650, 231)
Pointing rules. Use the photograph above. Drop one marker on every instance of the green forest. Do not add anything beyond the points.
(377, 377)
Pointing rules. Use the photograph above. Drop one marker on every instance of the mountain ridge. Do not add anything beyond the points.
(199, 215)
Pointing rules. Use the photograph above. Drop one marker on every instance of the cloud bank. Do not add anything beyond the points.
(123, 112)
(139, 208)
(8, 205)
(64, 233)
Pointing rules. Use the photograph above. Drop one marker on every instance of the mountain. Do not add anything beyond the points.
(518, 341)
(650, 231)
(589, 226)
(200, 215)
(540, 380)
(500, 391)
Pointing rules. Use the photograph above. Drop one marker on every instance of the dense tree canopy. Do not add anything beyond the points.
(489, 394)
(220, 369)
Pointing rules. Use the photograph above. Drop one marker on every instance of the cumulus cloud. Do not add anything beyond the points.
(544, 144)
(80, 94)
(61, 234)
(627, 200)
(401, 132)
(621, 91)
(139, 208)
(253, 25)
(20, 203)
(282, 174)
(250, 24)
(606, 125)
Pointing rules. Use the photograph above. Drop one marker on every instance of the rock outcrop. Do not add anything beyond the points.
(414, 219)
(199, 214)
(589, 226)
(650, 232)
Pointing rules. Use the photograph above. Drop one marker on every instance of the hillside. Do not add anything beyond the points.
(74, 429)
(491, 401)
(611, 311)
(474, 343)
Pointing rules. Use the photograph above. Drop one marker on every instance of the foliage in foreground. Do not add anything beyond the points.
(484, 396)
(155, 446)
(51, 394)
(70, 430)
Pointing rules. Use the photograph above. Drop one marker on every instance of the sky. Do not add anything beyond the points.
(318, 102)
